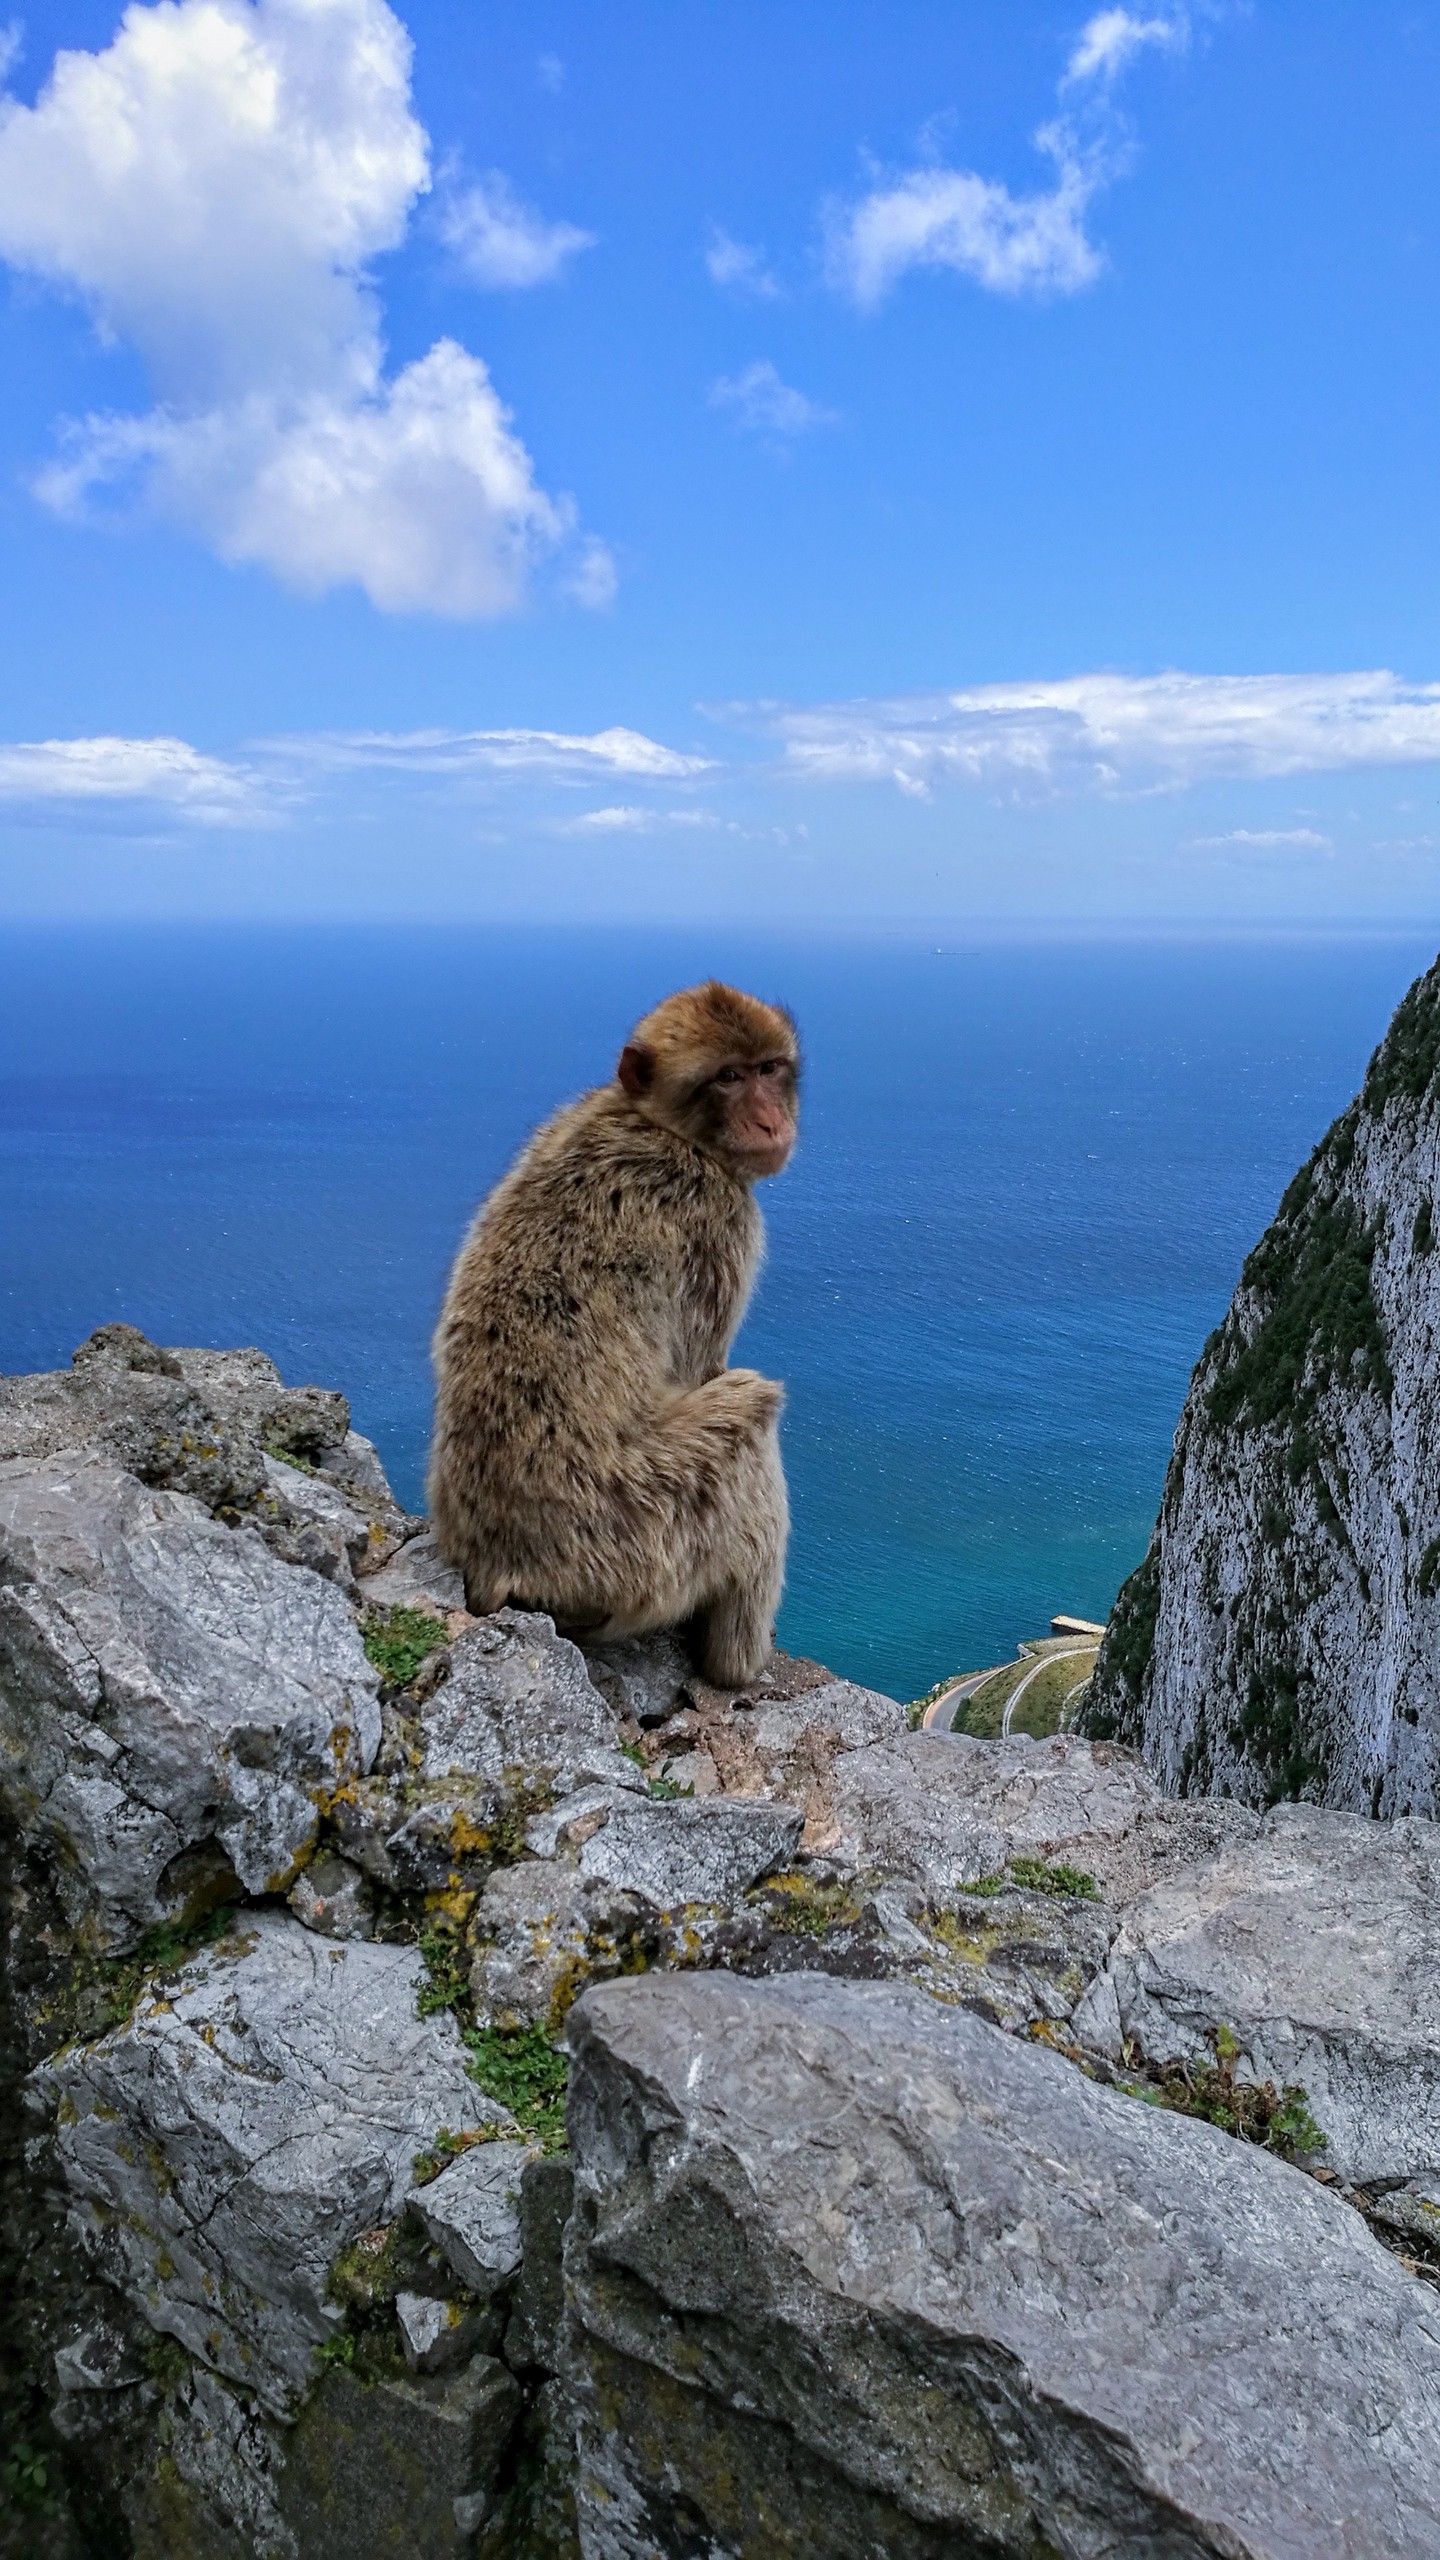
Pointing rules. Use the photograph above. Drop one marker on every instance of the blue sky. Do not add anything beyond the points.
(816, 462)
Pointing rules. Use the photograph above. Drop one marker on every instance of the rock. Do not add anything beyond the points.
(1281, 1637)
(355, 1465)
(690, 1852)
(547, 2193)
(693, 1772)
(247, 1391)
(1413, 2209)
(164, 1684)
(436, 2335)
(542, 1931)
(576, 1819)
(402, 2467)
(330, 1896)
(218, 2448)
(518, 1695)
(1318, 1944)
(853, 2272)
(416, 1575)
(945, 1810)
(472, 2213)
(220, 2149)
(125, 1399)
(643, 1678)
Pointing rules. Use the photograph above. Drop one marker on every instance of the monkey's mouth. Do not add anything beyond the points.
(760, 1156)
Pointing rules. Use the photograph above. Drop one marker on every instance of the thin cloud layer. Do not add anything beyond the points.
(156, 776)
(606, 752)
(761, 402)
(737, 268)
(932, 216)
(501, 242)
(1116, 733)
(214, 187)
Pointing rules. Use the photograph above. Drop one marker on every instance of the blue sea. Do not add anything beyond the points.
(1027, 1179)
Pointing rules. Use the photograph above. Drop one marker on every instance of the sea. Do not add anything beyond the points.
(1028, 1175)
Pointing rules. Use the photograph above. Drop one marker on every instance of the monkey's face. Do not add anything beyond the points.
(750, 1115)
(744, 1110)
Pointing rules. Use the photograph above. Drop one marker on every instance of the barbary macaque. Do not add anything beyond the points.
(593, 1456)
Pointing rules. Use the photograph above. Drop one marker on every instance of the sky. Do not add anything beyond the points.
(827, 461)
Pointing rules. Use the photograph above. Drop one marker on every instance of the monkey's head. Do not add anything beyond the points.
(721, 1069)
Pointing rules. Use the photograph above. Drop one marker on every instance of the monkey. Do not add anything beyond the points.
(593, 1457)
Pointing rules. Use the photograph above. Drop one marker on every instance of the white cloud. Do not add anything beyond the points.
(213, 187)
(1113, 37)
(525, 751)
(933, 216)
(738, 269)
(1116, 733)
(503, 243)
(629, 820)
(762, 402)
(1304, 839)
(164, 774)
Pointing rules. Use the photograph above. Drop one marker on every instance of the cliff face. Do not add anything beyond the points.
(1282, 1636)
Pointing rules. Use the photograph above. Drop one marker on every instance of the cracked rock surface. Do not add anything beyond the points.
(220, 2149)
(964, 2300)
(311, 1881)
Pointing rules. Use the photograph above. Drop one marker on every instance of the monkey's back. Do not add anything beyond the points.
(606, 1272)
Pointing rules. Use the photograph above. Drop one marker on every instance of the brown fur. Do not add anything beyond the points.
(593, 1456)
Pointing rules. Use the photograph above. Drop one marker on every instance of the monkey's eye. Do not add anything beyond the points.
(729, 1075)
(769, 1067)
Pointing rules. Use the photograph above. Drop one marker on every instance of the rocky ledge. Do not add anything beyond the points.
(853, 2232)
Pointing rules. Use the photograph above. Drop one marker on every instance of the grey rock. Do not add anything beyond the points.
(683, 1852)
(519, 1696)
(856, 1716)
(643, 1677)
(846, 2258)
(163, 1683)
(247, 1391)
(1413, 2209)
(532, 2340)
(222, 2147)
(541, 1930)
(568, 1824)
(125, 1399)
(1282, 1634)
(436, 2334)
(1318, 1945)
(472, 2213)
(944, 1810)
(355, 1466)
(229, 2457)
(102, 2358)
(382, 2470)
(416, 1574)
(331, 1897)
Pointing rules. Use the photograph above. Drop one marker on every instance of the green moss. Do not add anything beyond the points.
(1062, 1881)
(1272, 1724)
(1114, 1708)
(1406, 1061)
(341, 2349)
(101, 1991)
(521, 2068)
(797, 1903)
(399, 1640)
(1320, 1322)
(289, 1457)
(447, 1983)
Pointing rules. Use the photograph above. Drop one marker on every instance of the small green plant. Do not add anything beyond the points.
(397, 1643)
(1033, 1875)
(448, 2146)
(1252, 2110)
(521, 2068)
(289, 1457)
(446, 1986)
(341, 2350)
(668, 1790)
(633, 1752)
(799, 1905)
(25, 2473)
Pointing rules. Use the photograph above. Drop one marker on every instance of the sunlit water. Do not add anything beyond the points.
(1027, 1179)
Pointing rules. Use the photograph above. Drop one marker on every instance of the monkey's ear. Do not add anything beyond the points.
(637, 1068)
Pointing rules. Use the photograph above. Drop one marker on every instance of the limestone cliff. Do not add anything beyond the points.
(1281, 1637)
